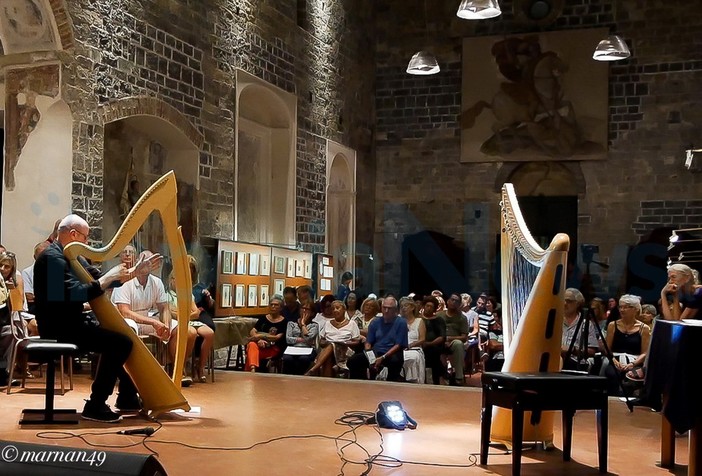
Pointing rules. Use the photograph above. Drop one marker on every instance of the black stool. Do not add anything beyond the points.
(537, 392)
(48, 352)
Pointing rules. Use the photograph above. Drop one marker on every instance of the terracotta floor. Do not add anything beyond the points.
(241, 409)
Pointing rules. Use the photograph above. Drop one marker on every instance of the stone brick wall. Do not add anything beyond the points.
(184, 53)
(668, 213)
(654, 115)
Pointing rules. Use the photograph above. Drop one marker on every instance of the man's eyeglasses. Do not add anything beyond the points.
(80, 233)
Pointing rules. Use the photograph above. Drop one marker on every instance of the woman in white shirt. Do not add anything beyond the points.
(336, 337)
(414, 366)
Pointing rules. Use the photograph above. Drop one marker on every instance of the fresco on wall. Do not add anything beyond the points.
(25, 26)
(534, 97)
(23, 87)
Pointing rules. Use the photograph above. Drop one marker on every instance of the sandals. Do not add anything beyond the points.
(636, 375)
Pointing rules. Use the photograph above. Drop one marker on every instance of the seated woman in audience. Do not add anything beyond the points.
(202, 296)
(300, 334)
(336, 337)
(369, 310)
(687, 297)
(648, 315)
(195, 328)
(435, 338)
(5, 333)
(352, 311)
(15, 301)
(267, 338)
(628, 339)
(13, 281)
(414, 366)
(325, 313)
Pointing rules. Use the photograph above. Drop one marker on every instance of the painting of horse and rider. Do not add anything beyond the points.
(534, 97)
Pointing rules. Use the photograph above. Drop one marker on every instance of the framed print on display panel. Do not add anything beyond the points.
(240, 262)
(299, 268)
(239, 295)
(265, 265)
(279, 265)
(263, 295)
(291, 268)
(278, 286)
(253, 296)
(308, 269)
(253, 264)
(326, 284)
(226, 295)
(227, 262)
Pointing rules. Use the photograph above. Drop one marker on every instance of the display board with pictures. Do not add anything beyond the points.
(323, 272)
(248, 275)
(290, 268)
(243, 279)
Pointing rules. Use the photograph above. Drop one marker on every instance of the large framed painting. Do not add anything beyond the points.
(534, 97)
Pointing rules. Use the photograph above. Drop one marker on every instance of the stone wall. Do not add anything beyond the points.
(185, 53)
(654, 114)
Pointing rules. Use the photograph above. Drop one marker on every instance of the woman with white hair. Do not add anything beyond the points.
(687, 297)
(628, 339)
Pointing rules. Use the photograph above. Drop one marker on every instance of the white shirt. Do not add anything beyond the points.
(28, 279)
(343, 334)
(141, 298)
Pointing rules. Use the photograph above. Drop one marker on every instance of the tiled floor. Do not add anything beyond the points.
(241, 409)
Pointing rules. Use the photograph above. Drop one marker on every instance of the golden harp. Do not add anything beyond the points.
(159, 392)
(532, 321)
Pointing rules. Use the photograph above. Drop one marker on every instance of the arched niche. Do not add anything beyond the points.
(137, 151)
(341, 207)
(264, 203)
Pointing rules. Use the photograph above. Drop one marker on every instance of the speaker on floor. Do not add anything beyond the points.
(29, 459)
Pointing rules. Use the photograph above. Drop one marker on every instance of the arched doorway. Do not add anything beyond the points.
(548, 198)
(137, 151)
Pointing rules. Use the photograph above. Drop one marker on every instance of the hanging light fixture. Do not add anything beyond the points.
(612, 48)
(478, 9)
(423, 63)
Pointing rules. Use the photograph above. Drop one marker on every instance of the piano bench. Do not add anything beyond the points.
(537, 392)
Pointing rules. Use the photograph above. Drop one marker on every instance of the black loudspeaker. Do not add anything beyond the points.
(28, 459)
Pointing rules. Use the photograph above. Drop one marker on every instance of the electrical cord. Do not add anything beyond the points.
(347, 439)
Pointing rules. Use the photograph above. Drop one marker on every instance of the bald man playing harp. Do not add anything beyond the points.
(60, 298)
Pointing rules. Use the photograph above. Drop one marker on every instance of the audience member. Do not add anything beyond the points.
(574, 301)
(495, 346)
(28, 279)
(336, 338)
(196, 328)
(687, 298)
(370, 310)
(414, 366)
(628, 340)
(291, 308)
(387, 338)
(352, 311)
(344, 286)
(456, 337)
(301, 337)
(435, 338)
(267, 338)
(325, 311)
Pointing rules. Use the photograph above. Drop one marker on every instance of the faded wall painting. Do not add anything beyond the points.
(25, 26)
(534, 97)
(23, 87)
